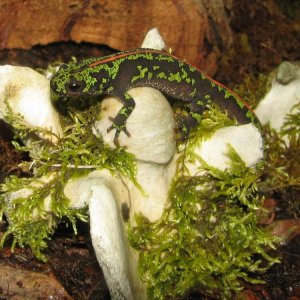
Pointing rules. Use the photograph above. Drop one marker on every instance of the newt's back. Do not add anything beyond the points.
(116, 74)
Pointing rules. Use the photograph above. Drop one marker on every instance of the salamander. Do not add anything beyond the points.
(116, 74)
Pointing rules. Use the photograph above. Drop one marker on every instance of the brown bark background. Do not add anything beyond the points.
(194, 29)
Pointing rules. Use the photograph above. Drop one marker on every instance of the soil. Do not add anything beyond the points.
(266, 33)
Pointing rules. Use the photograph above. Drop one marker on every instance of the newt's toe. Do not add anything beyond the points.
(118, 129)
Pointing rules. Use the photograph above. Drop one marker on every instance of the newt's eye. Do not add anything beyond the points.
(74, 86)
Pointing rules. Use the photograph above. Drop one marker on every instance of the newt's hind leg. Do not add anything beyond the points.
(119, 121)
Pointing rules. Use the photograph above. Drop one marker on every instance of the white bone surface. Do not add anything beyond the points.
(282, 96)
(28, 93)
(153, 40)
(246, 140)
(151, 126)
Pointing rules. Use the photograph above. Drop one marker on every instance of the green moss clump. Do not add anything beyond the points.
(253, 88)
(32, 219)
(282, 171)
(281, 176)
(208, 237)
(31, 222)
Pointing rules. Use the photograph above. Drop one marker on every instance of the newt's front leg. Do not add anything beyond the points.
(119, 121)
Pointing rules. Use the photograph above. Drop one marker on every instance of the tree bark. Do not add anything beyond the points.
(197, 30)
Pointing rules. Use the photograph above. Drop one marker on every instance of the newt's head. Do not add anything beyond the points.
(76, 79)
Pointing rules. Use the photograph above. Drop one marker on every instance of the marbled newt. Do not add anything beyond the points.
(116, 74)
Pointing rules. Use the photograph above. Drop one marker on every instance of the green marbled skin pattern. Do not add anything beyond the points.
(116, 74)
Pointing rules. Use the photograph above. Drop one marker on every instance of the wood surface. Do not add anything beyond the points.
(197, 30)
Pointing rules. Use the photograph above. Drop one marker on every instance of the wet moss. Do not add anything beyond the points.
(78, 152)
(209, 235)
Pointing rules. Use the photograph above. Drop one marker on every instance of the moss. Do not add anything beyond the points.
(282, 171)
(31, 223)
(78, 152)
(253, 88)
(208, 237)
(281, 177)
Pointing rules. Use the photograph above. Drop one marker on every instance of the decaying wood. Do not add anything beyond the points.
(24, 284)
(196, 30)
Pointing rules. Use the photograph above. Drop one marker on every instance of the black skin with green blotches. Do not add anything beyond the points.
(116, 74)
